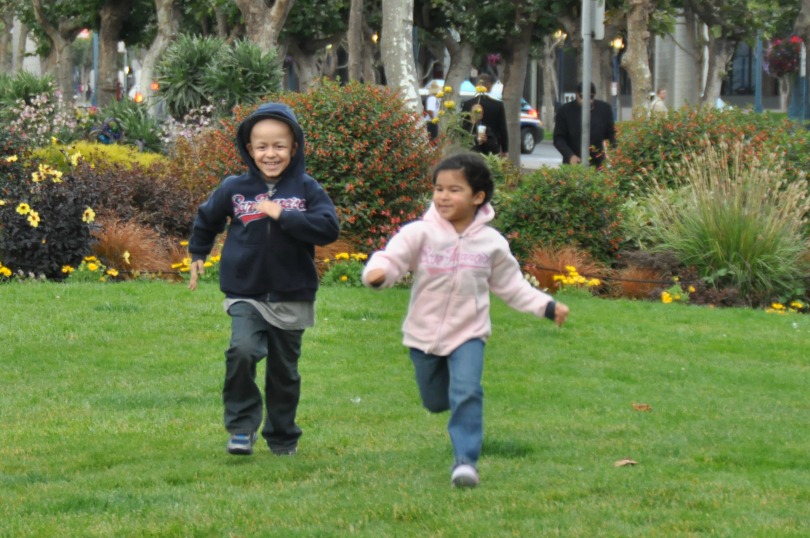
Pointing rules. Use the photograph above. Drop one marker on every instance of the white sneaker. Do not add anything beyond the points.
(464, 476)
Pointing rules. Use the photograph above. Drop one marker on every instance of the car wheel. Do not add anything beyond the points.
(527, 141)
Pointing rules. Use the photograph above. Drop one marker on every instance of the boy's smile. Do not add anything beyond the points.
(271, 147)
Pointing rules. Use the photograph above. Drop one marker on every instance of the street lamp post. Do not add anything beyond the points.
(617, 45)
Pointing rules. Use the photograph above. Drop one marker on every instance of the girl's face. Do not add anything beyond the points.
(453, 198)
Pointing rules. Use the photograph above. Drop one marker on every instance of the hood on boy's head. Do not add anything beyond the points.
(272, 111)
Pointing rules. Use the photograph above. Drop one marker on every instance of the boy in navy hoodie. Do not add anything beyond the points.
(275, 214)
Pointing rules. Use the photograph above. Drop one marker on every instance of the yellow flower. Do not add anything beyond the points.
(5, 271)
(2, 202)
(666, 298)
(183, 243)
(798, 305)
(481, 89)
(344, 278)
(592, 283)
(74, 159)
(54, 140)
(435, 120)
(208, 264)
(215, 259)
(177, 265)
(92, 266)
(440, 95)
(90, 259)
(326, 260)
(691, 289)
(449, 105)
(441, 112)
(11, 159)
(448, 89)
(778, 306)
(125, 256)
(89, 215)
(23, 208)
(33, 219)
(36, 177)
(360, 256)
(342, 256)
(67, 269)
(112, 272)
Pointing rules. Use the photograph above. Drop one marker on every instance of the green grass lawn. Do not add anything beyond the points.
(111, 422)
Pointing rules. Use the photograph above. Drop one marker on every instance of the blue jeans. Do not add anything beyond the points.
(454, 382)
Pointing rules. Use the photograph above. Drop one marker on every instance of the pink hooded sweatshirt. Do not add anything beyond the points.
(453, 275)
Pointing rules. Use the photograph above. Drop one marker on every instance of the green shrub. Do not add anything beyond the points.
(561, 206)
(362, 144)
(45, 218)
(139, 127)
(737, 221)
(646, 146)
(201, 71)
(25, 87)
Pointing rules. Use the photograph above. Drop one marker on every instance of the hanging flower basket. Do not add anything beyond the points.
(782, 57)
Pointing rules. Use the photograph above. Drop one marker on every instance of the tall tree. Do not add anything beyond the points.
(729, 23)
(636, 57)
(397, 50)
(264, 20)
(113, 14)
(355, 40)
(60, 22)
(168, 26)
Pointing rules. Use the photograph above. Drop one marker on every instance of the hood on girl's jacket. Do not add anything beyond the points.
(274, 111)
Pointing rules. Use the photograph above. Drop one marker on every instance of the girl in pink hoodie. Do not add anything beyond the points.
(456, 259)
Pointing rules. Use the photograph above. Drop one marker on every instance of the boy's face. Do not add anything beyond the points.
(271, 146)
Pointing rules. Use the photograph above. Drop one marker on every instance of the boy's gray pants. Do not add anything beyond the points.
(252, 339)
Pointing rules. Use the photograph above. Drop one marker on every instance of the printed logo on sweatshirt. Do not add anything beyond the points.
(446, 261)
(247, 210)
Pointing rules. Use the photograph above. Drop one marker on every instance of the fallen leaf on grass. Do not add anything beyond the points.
(625, 462)
(642, 407)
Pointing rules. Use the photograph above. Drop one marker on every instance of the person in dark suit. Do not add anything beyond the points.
(568, 129)
(485, 119)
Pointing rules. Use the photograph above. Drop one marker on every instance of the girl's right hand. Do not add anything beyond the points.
(197, 268)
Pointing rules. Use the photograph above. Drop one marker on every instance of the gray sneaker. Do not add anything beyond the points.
(464, 476)
(241, 444)
(288, 451)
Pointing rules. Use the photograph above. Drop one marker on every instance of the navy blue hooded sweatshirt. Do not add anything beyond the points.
(262, 258)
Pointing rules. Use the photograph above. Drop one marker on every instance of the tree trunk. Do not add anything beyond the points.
(461, 56)
(514, 77)
(168, 19)
(113, 14)
(720, 53)
(264, 24)
(60, 59)
(21, 38)
(397, 50)
(802, 27)
(635, 60)
(356, 40)
(550, 82)
(784, 93)
(6, 49)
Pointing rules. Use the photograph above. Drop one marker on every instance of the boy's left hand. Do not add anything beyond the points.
(270, 208)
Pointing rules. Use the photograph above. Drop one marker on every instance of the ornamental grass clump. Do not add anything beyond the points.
(739, 222)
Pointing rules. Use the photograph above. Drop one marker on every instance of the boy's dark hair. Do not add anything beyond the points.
(474, 168)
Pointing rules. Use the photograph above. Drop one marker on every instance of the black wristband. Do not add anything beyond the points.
(551, 310)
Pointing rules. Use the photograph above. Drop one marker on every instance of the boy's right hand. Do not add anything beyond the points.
(560, 314)
(376, 277)
(197, 268)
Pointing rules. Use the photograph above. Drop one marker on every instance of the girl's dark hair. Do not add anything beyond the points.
(474, 168)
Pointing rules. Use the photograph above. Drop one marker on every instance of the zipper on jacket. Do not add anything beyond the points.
(452, 289)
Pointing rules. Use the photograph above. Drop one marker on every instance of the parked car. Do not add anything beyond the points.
(531, 127)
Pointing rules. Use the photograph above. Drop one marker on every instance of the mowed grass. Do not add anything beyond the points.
(111, 422)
